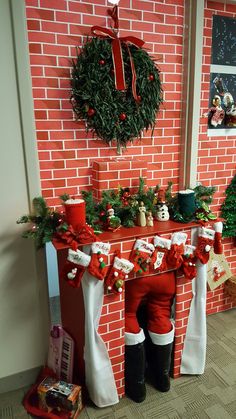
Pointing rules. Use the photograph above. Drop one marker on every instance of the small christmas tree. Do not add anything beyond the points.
(228, 210)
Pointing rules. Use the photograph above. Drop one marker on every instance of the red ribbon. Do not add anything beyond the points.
(117, 56)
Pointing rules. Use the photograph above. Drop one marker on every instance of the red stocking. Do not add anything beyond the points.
(76, 264)
(141, 256)
(218, 248)
(99, 257)
(174, 258)
(189, 262)
(204, 244)
(162, 247)
(118, 273)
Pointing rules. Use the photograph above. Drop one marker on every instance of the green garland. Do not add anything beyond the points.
(112, 114)
(228, 210)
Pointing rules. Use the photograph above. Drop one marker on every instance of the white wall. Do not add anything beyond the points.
(23, 280)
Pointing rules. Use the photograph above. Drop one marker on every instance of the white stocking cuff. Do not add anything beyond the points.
(163, 338)
(134, 338)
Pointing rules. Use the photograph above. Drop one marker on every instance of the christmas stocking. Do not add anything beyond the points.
(189, 262)
(76, 264)
(204, 244)
(174, 258)
(141, 256)
(99, 257)
(118, 273)
(162, 246)
(218, 248)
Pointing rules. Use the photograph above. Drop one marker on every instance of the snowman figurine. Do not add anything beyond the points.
(162, 209)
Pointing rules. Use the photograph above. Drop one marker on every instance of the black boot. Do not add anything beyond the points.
(160, 366)
(135, 372)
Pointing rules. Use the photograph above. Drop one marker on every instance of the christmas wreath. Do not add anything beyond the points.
(116, 87)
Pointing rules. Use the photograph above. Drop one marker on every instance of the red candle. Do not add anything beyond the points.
(75, 213)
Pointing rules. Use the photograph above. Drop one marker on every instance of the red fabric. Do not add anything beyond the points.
(188, 266)
(218, 247)
(159, 291)
(95, 267)
(118, 58)
(140, 260)
(75, 282)
(111, 278)
(201, 252)
(174, 258)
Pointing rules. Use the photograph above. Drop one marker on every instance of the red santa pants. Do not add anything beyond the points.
(159, 291)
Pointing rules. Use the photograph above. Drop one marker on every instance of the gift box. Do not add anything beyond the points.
(60, 396)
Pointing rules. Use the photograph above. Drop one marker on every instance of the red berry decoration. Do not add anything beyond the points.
(102, 62)
(91, 112)
(151, 77)
(122, 116)
(102, 213)
(139, 98)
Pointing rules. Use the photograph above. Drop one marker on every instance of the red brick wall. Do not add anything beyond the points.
(217, 155)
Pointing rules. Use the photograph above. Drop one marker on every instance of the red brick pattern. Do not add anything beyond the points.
(71, 159)
(217, 155)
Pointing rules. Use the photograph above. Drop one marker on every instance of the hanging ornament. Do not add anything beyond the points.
(151, 77)
(102, 62)
(122, 116)
(91, 112)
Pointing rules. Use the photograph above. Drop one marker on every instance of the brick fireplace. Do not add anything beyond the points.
(108, 174)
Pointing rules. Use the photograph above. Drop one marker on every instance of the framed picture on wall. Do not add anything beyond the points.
(222, 95)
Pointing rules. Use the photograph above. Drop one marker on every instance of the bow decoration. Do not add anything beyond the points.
(117, 56)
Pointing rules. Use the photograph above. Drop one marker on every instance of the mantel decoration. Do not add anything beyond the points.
(116, 208)
(116, 86)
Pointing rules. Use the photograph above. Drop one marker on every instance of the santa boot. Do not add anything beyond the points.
(161, 351)
(99, 258)
(158, 259)
(141, 256)
(174, 258)
(204, 244)
(76, 264)
(218, 248)
(135, 366)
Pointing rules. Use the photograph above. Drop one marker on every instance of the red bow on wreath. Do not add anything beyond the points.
(118, 58)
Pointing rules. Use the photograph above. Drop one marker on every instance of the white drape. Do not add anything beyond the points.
(194, 350)
(99, 376)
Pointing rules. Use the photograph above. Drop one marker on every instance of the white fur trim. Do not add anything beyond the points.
(164, 338)
(78, 257)
(134, 338)
(179, 238)
(218, 226)
(162, 242)
(189, 249)
(206, 233)
(186, 192)
(104, 248)
(144, 246)
(123, 265)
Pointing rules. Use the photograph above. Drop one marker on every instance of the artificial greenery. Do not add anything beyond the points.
(44, 222)
(228, 210)
(113, 114)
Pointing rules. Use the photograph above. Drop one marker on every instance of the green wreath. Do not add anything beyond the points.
(113, 114)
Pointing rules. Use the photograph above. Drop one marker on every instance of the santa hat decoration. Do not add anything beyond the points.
(174, 257)
(76, 264)
(99, 258)
(205, 242)
(141, 256)
(162, 246)
(118, 273)
(218, 248)
(189, 262)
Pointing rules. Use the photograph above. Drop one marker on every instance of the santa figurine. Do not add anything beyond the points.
(216, 113)
(113, 222)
